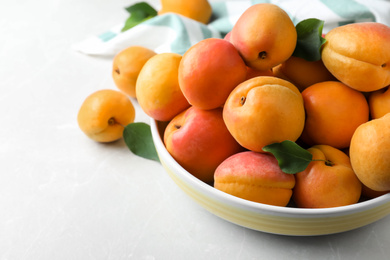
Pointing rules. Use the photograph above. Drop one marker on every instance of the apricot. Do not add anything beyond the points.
(264, 35)
(198, 10)
(333, 112)
(379, 102)
(127, 65)
(104, 114)
(199, 141)
(264, 110)
(303, 73)
(209, 71)
(370, 153)
(157, 88)
(328, 181)
(358, 55)
(256, 177)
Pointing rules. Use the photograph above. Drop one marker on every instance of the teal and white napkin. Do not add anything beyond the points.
(175, 33)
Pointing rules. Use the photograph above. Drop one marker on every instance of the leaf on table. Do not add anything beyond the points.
(310, 39)
(138, 138)
(291, 157)
(139, 13)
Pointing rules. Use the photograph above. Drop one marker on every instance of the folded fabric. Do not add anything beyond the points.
(176, 33)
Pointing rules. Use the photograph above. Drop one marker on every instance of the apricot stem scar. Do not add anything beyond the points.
(327, 162)
(262, 55)
(117, 71)
(111, 121)
(242, 100)
(383, 65)
(177, 126)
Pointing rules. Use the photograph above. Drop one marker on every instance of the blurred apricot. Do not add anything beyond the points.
(303, 73)
(126, 66)
(333, 112)
(198, 10)
(379, 102)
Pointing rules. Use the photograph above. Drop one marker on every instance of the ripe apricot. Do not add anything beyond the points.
(209, 71)
(264, 110)
(379, 102)
(303, 73)
(256, 177)
(333, 112)
(358, 55)
(328, 181)
(198, 10)
(199, 141)
(104, 114)
(126, 66)
(264, 35)
(158, 91)
(370, 153)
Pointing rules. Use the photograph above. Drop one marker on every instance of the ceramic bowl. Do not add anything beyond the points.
(267, 218)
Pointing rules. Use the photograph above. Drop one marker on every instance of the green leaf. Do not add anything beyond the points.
(139, 13)
(310, 39)
(138, 138)
(291, 157)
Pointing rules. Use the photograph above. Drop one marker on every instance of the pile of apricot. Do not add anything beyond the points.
(225, 99)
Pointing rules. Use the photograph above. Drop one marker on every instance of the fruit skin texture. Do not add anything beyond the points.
(256, 177)
(370, 153)
(157, 88)
(103, 115)
(323, 186)
(199, 141)
(264, 35)
(379, 102)
(209, 71)
(359, 55)
(264, 110)
(333, 112)
(303, 73)
(126, 66)
(198, 10)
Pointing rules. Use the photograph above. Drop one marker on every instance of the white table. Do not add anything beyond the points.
(63, 196)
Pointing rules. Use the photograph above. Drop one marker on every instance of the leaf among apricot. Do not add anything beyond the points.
(291, 157)
(138, 138)
(310, 39)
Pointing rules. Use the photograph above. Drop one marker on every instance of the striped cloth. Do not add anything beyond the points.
(175, 33)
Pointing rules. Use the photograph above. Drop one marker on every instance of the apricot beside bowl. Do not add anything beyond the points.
(266, 218)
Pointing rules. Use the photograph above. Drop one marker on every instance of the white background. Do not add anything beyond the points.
(63, 196)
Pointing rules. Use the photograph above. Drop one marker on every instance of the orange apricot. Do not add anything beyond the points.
(104, 114)
(264, 35)
(264, 110)
(303, 73)
(158, 91)
(328, 181)
(198, 10)
(333, 112)
(379, 102)
(370, 153)
(358, 55)
(127, 65)
(256, 177)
